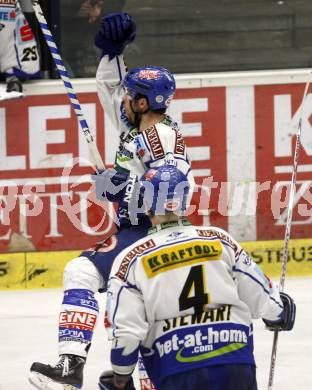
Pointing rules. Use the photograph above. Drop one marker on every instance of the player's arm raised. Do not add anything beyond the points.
(116, 32)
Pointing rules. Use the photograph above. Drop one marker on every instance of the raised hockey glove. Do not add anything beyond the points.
(288, 315)
(116, 32)
(112, 381)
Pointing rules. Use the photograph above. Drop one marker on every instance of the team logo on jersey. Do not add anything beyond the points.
(175, 256)
(174, 235)
(246, 259)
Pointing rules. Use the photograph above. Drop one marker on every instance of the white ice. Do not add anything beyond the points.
(29, 333)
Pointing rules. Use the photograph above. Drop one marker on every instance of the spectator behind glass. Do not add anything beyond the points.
(80, 57)
(19, 58)
(91, 9)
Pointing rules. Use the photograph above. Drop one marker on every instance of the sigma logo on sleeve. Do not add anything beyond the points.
(77, 319)
(149, 74)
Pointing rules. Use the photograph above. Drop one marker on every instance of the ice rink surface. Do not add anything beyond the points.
(29, 333)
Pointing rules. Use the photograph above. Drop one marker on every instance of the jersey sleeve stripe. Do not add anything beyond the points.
(259, 283)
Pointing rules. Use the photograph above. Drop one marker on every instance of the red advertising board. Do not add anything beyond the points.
(207, 147)
(45, 207)
(40, 136)
(278, 110)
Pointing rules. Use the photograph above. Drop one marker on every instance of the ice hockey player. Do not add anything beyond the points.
(19, 59)
(136, 103)
(185, 297)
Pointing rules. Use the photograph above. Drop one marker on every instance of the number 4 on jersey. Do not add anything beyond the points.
(195, 285)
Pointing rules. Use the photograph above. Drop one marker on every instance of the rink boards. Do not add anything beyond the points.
(44, 269)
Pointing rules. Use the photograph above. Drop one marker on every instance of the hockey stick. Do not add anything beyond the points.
(288, 229)
(94, 154)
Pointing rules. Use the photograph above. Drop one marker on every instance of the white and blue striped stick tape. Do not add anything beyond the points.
(95, 156)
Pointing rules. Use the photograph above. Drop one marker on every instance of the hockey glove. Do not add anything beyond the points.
(112, 381)
(110, 185)
(117, 31)
(114, 186)
(288, 315)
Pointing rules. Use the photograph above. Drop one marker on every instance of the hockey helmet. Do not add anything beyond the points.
(154, 82)
(165, 189)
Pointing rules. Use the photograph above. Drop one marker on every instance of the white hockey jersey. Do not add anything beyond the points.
(185, 296)
(18, 50)
(138, 151)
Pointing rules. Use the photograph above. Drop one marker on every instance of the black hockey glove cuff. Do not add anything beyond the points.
(289, 315)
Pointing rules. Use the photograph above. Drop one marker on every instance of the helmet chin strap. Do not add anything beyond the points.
(137, 114)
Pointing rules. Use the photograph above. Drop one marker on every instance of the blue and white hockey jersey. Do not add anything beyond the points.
(185, 296)
(138, 151)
